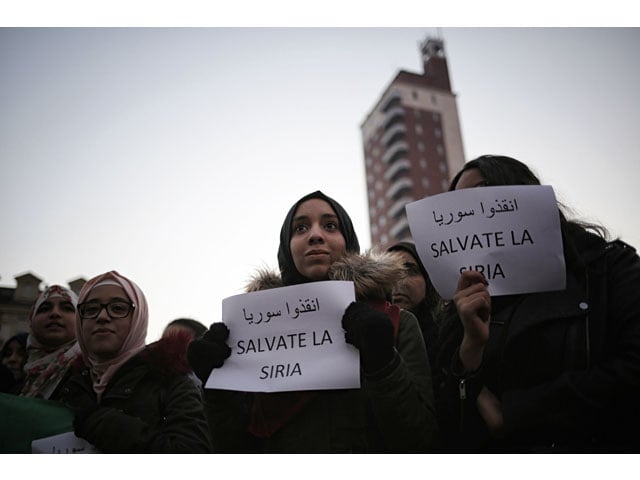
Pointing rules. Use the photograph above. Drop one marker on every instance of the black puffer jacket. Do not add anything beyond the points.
(565, 365)
(151, 405)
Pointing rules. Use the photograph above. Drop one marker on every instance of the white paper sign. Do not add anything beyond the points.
(510, 233)
(288, 338)
(63, 443)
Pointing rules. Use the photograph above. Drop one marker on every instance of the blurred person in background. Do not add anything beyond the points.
(14, 357)
(415, 293)
(51, 345)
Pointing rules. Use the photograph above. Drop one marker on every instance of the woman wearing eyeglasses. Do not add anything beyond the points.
(129, 397)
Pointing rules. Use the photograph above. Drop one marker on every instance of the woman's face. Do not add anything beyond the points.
(54, 322)
(316, 241)
(14, 358)
(412, 289)
(470, 179)
(104, 335)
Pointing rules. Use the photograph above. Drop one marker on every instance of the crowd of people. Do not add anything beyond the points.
(550, 371)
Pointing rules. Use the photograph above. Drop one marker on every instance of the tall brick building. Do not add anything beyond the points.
(412, 144)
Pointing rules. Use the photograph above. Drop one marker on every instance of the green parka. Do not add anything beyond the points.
(393, 411)
(151, 405)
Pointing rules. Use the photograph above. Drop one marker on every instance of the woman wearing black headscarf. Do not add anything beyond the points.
(415, 293)
(393, 409)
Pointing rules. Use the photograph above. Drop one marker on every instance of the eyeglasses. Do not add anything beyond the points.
(115, 309)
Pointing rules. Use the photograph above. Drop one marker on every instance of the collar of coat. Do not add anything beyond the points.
(374, 273)
(167, 357)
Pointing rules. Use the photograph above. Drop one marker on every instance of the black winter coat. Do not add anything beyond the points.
(565, 365)
(151, 405)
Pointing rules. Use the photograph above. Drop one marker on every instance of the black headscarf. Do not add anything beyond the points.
(288, 270)
(410, 248)
(431, 297)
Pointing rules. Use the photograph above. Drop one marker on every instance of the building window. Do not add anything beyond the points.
(443, 167)
(376, 152)
(374, 229)
(384, 239)
(433, 99)
(379, 185)
(438, 132)
(435, 116)
(382, 221)
(445, 185)
(380, 203)
(416, 112)
(421, 146)
(425, 182)
(414, 94)
(440, 149)
(418, 129)
(423, 163)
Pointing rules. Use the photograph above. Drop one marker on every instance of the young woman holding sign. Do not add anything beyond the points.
(393, 410)
(550, 371)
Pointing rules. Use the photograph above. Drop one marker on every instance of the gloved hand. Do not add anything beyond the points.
(209, 351)
(83, 405)
(371, 332)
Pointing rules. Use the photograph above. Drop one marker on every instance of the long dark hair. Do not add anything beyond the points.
(500, 170)
(288, 271)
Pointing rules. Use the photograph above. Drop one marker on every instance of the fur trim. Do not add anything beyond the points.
(168, 356)
(374, 273)
(263, 279)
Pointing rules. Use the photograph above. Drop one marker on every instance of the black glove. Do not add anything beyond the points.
(83, 405)
(209, 351)
(371, 332)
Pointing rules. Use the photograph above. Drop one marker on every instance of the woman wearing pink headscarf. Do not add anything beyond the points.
(129, 397)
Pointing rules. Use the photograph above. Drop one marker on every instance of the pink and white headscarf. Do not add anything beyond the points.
(46, 366)
(103, 371)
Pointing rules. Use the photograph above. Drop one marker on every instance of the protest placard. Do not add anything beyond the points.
(509, 233)
(288, 338)
(65, 443)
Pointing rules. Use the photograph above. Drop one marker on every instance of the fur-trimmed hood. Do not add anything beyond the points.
(166, 357)
(374, 273)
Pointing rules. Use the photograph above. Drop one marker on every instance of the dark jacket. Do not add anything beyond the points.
(151, 405)
(565, 365)
(393, 411)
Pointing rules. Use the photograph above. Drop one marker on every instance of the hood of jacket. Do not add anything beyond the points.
(374, 273)
(166, 357)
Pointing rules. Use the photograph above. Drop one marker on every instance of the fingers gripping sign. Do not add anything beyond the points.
(473, 303)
